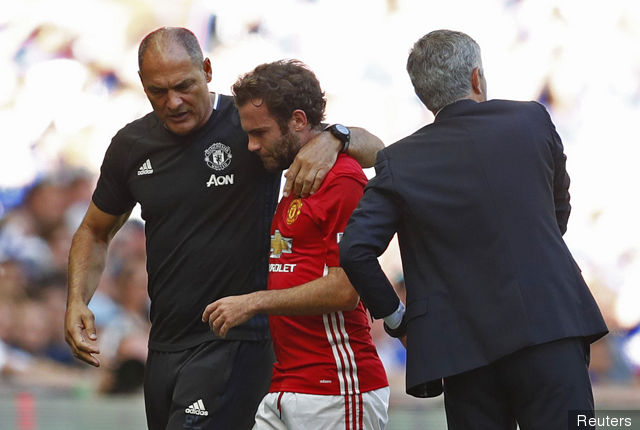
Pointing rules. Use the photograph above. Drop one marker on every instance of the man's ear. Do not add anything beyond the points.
(298, 121)
(206, 66)
(476, 81)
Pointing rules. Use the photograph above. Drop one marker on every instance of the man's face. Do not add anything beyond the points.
(276, 150)
(177, 88)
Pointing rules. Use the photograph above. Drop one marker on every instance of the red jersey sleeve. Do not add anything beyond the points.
(335, 201)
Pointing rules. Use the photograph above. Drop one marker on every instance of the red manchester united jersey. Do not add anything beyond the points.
(320, 354)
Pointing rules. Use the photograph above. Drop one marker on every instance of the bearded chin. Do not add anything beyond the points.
(289, 147)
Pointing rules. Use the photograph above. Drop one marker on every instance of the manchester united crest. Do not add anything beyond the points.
(294, 211)
(218, 156)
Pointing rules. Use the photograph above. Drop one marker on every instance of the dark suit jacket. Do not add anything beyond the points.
(480, 201)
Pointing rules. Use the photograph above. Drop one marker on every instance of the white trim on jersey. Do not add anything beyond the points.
(334, 349)
(216, 101)
(346, 366)
(352, 356)
(357, 398)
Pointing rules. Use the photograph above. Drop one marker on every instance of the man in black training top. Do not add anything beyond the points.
(207, 202)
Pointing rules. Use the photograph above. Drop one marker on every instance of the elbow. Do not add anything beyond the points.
(349, 301)
(354, 258)
(562, 224)
(345, 260)
(563, 229)
(348, 256)
(343, 295)
(86, 235)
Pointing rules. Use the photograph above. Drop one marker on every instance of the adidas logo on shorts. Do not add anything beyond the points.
(197, 408)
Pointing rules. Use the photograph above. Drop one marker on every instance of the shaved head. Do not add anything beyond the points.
(161, 39)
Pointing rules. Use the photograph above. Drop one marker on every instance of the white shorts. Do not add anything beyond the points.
(295, 411)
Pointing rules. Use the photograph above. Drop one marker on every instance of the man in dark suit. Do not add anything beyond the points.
(496, 305)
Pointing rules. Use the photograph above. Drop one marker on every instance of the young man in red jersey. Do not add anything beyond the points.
(327, 373)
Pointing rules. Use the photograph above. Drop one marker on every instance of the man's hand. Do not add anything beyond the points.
(80, 333)
(403, 339)
(228, 312)
(311, 165)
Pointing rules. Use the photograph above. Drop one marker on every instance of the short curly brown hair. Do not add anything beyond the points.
(284, 86)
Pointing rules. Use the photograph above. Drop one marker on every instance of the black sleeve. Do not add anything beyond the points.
(367, 235)
(561, 179)
(111, 194)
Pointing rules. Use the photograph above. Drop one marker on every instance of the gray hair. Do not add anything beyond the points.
(440, 65)
(167, 35)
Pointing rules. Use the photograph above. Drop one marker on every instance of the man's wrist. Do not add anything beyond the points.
(394, 319)
(395, 324)
(255, 302)
(342, 134)
(75, 300)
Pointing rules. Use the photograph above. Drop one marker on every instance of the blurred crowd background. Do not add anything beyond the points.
(68, 82)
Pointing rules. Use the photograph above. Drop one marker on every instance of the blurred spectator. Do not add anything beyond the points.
(12, 361)
(29, 329)
(37, 319)
(28, 231)
(13, 280)
(128, 245)
(79, 185)
(58, 240)
(123, 341)
(19, 366)
(41, 211)
(51, 292)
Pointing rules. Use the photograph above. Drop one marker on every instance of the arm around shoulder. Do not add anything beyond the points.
(364, 146)
(317, 157)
